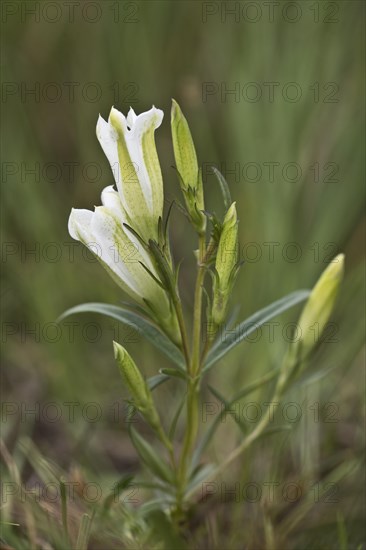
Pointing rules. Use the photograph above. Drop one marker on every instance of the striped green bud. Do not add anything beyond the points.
(135, 383)
(226, 266)
(313, 319)
(319, 306)
(131, 376)
(187, 166)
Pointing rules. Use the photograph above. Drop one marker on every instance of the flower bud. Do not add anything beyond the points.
(320, 305)
(187, 166)
(226, 266)
(313, 320)
(139, 390)
(131, 376)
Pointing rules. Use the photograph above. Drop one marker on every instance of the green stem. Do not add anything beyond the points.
(193, 383)
(195, 365)
(183, 330)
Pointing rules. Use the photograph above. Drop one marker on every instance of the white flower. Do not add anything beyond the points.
(129, 145)
(102, 231)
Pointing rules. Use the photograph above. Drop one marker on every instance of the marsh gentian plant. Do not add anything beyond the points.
(130, 237)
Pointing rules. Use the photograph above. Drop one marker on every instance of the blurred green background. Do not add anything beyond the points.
(290, 140)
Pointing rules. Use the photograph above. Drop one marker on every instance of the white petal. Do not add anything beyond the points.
(134, 140)
(131, 117)
(106, 231)
(111, 199)
(143, 121)
(107, 137)
(119, 118)
(79, 224)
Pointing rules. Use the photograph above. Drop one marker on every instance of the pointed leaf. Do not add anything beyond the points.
(175, 373)
(150, 458)
(223, 186)
(176, 418)
(244, 329)
(132, 319)
(157, 281)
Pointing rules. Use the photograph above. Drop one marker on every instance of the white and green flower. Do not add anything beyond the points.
(103, 232)
(129, 145)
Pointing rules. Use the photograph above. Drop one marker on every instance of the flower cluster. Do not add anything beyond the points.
(127, 227)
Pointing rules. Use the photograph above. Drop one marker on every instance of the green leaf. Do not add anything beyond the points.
(245, 328)
(176, 418)
(175, 373)
(223, 186)
(150, 458)
(135, 320)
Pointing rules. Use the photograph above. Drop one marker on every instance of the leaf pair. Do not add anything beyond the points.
(222, 346)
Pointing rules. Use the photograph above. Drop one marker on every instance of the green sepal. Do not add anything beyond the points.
(223, 186)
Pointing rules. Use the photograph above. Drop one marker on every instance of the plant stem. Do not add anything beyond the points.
(193, 368)
(183, 330)
(195, 365)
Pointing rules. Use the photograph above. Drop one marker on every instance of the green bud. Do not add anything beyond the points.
(313, 319)
(187, 165)
(131, 376)
(139, 390)
(226, 266)
(320, 305)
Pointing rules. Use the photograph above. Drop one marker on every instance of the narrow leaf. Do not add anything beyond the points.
(132, 319)
(147, 454)
(175, 373)
(223, 186)
(149, 272)
(245, 328)
(176, 418)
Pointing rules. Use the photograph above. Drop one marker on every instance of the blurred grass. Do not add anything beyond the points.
(170, 52)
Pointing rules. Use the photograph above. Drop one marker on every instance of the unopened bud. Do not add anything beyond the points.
(320, 303)
(226, 266)
(187, 166)
(317, 311)
(131, 376)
